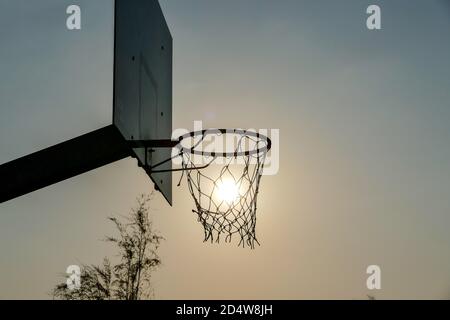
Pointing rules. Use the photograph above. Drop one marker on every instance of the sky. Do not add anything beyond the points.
(364, 153)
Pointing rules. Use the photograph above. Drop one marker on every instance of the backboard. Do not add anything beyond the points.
(66, 92)
(143, 81)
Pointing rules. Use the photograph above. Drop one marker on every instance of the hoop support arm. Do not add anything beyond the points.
(148, 145)
(165, 143)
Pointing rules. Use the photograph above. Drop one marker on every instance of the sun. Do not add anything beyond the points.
(228, 191)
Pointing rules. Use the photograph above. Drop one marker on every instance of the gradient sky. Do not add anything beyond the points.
(365, 157)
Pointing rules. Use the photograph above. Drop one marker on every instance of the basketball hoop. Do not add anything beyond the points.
(226, 200)
(225, 194)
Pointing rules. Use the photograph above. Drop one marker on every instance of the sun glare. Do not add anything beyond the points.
(228, 191)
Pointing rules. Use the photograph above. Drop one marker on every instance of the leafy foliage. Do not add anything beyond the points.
(129, 279)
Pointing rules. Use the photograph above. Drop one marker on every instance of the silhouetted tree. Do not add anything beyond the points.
(129, 279)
